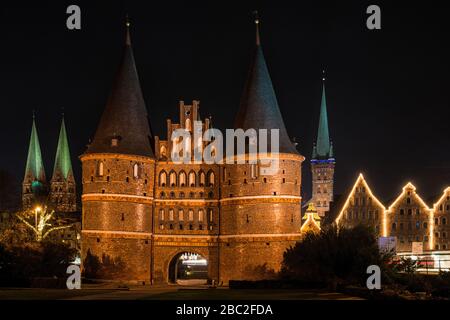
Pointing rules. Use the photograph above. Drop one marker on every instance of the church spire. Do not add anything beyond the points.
(259, 107)
(124, 126)
(63, 163)
(258, 40)
(323, 146)
(34, 170)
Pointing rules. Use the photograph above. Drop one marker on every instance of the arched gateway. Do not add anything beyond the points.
(188, 268)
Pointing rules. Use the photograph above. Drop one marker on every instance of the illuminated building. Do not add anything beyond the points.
(322, 163)
(408, 218)
(60, 194)
(142, 208)
(312, 220)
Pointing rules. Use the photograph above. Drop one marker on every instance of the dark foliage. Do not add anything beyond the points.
(20, 264)
(334, 256)
(107, 267)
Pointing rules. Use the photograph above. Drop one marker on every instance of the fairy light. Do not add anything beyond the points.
(410, 187)
(391, 209)
(362, 181)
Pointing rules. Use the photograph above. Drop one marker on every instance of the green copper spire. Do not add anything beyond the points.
(34, 169)
(323, 149)
(63, 164)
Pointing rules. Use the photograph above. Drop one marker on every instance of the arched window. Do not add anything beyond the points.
(162, 179)
(202, 179)
(180, 215)
(172, 194)
(182, 178)
(161, 214)
(211, 178)
(162, 195)
(100, 169)
(254, 171)
(191, 215)
(188, 124)
(136, 171)
(210, 215)
(181, 195)
(172, 179)
(394, 226)
(171, 214)
(210, 195)
(200, 215)
(192, 179)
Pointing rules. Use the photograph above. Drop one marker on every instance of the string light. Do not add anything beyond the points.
(408, 187)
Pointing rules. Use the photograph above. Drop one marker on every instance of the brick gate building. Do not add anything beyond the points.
(142, 209)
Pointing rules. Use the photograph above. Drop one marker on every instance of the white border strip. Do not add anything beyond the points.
(118, 232)
(87, 195)
(262, 197)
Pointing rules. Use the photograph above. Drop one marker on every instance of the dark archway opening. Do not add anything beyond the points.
(188, 268)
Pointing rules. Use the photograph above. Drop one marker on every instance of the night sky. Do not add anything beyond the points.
(387, 90)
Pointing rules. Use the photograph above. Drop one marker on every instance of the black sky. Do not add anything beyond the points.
(387, 90)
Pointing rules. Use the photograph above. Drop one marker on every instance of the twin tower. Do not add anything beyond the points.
(60, 193)
(142, 211)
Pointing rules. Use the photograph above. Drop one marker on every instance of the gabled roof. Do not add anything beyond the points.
(408, 187)
(125, 115)
(63, 163)
(259, 107)
(359, 180)
(35, 166)
(436, 201)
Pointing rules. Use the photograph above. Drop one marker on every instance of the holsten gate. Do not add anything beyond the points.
(143, 210)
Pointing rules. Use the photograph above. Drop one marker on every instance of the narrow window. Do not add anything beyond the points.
(211, 179)
(162, 179)
(182, 178)
(210, 215)
(161, 214)
(202, 179)
(192, 179)
(100, 169)
(180, 215)
(171, 214)
(136, 171)
(200, 215)
(254, 171)
(173, 179)
(191, 215)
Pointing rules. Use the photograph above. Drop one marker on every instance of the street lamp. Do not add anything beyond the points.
(36, 210)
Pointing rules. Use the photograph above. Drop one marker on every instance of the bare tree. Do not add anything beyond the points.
(43, 217)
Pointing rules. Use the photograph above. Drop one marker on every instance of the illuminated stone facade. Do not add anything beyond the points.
(144, 209)
(323, 163)
(408, 217)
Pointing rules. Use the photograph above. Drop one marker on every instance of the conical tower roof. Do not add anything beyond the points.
(34, 169)
(63, 163)
(259, 107)
(124, 126)
(323, 149)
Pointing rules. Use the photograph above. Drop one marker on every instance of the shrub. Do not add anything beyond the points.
(334, 256)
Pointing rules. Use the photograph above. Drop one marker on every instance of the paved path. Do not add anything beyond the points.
(168, 293)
